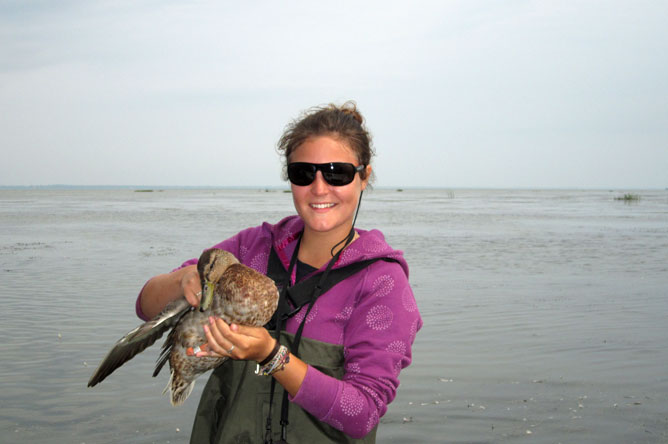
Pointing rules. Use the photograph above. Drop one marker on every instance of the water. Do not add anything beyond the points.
(545, 311)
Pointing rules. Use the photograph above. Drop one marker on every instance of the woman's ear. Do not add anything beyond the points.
(367, 175)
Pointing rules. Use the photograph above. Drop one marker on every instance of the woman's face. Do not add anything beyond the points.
(325, 208)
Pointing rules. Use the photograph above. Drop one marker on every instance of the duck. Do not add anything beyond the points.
(230, 290)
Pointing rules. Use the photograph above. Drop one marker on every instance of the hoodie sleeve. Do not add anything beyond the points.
(377, 346)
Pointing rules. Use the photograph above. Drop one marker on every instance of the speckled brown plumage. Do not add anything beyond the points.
(241, 295)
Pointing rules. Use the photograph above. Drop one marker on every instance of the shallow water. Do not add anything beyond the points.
(545, 311)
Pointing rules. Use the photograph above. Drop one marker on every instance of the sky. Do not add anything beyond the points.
(456, 94)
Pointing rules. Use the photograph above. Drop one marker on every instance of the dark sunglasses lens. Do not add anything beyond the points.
(339, 174)
(301, 174)
(336, 173)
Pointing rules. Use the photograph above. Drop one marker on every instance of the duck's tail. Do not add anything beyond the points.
(179, 388)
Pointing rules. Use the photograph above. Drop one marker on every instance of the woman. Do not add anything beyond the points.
(353, 339)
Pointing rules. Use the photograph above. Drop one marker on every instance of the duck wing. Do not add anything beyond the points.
(140, 339)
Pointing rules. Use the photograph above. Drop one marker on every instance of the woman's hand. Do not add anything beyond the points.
(236, 341)
(191, 287)
(253, 344)
(162, 289)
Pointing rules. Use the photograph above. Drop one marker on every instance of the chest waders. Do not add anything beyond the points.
(238, 406)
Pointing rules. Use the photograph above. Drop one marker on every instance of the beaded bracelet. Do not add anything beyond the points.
(276, 364)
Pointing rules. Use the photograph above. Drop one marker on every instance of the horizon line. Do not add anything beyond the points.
(287, 188)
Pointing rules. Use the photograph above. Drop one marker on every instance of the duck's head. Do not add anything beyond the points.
(211, 266)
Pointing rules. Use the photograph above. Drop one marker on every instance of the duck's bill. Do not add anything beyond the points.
(207, 296)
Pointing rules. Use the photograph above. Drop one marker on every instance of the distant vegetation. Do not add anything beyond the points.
(628, 197)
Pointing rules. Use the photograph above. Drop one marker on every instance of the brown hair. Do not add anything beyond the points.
(344, 123)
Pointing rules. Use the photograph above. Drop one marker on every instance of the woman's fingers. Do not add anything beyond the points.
(217, 345)
(221, 342)
(193, 297)
(220, 331)
(234, 341)
(192, 288)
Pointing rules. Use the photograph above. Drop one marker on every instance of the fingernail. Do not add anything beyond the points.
(206, 328)
(211, 320)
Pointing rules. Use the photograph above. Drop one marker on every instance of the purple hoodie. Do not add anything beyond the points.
(372, 314)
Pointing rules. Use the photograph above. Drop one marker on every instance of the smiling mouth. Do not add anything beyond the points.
(322, 206)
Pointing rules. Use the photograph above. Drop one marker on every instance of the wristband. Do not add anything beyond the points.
(271, 355)
(276, 364)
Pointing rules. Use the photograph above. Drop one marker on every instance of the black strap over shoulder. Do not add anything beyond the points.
(302, 292)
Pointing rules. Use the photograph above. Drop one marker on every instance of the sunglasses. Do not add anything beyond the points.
(335, 173)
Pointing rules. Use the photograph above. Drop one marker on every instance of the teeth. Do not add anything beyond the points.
(321, 206)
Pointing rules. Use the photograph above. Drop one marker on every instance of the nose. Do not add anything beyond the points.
(319, 186)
